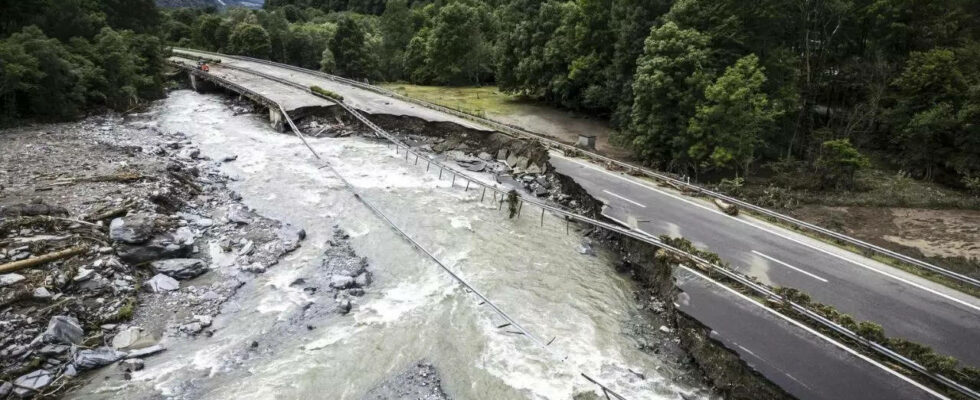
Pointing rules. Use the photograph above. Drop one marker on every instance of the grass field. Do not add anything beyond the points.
(479, 100)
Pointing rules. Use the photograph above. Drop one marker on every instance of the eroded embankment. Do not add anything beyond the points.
(720, 366)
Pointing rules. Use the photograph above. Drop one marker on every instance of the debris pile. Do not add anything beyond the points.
(106, 228)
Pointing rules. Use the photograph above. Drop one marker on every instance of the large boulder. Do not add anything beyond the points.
(180, 268)
(341, 281)
(161, 283)
(34, 381)
(64, 329)
(291, 237)
(10, 279)
(132, 338)
(160, 246)
(100, 357)
(134, 229)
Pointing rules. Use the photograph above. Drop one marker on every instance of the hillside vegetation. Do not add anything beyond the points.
(706, 88)
(59, 58)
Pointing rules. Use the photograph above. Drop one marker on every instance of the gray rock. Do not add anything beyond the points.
(255, 268)
(53, 350)
(5, 389)
(291, 237)
(341, 281)
(239, 216)
(477, 166)
(230, 158)
(484, 156)
(148, 351)
(94, 283)
(362, 280)
(205, 320)
(159, 247)
(192, 328)
(35, 380)
(100, 357)
(10, 279)
(70, 371)
(131, 365)
(161, 283)
(179, 268)
(184, 236)
(64, 329)
(196, 220)
(135, 229)
(83, 275)
(130, 338)
(344, 306)
(502, 154)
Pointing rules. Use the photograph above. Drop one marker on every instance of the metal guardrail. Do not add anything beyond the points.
(699, 262)
(551, 143)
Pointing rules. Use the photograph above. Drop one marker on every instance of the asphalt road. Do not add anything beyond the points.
(904, 304)
(799, 360)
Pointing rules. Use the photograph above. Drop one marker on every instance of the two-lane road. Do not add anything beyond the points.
(904, 304)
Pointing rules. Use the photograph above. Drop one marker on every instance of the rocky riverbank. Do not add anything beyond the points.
(114, 234)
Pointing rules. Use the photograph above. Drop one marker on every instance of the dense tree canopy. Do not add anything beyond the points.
(693, 86)
(61, 57)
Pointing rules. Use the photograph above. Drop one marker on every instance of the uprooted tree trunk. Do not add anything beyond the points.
(46, 258)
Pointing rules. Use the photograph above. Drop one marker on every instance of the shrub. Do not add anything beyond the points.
(326, 93)
(837, 164)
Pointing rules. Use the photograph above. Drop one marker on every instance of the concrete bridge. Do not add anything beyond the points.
(296, 102)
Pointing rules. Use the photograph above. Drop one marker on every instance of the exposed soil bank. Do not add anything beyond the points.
(947, 237)
(721, 366)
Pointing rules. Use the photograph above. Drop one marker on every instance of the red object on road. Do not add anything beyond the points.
(205, 68)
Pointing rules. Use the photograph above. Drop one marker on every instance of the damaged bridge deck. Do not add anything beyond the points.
(296, 102)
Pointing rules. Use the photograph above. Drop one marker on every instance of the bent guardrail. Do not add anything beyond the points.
(551, 143)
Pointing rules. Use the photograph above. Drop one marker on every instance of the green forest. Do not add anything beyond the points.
(709, 88)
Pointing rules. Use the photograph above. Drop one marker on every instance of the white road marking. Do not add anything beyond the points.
(750, 352)
(622, 198)
(820, 335)
(898, 278)
(790, 266)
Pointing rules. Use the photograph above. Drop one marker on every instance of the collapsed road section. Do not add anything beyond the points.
(792, 376)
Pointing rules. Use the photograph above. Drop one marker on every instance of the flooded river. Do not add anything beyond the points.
(413, 310)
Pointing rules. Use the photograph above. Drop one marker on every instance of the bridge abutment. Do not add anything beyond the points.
(200, 85)
(276, 120)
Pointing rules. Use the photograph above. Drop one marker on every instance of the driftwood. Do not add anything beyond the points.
(120, 177)
(187, 181)
(35, 261)
(727, 207)
(115, 212)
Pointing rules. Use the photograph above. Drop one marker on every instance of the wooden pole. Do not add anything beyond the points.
(35, 261)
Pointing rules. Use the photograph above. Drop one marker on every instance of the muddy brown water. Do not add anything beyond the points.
(413, 310)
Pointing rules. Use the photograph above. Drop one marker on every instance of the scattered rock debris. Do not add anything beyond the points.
(107, 226)
(419, 382)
